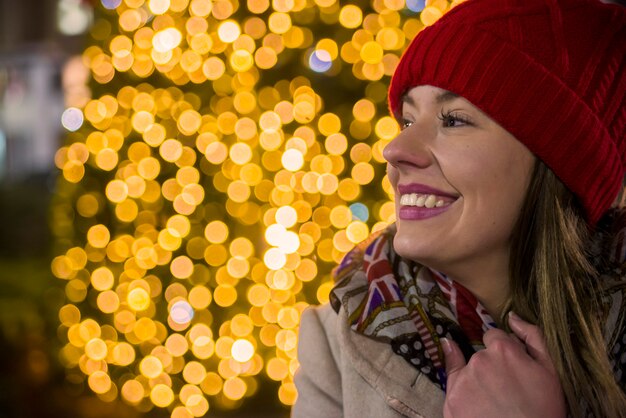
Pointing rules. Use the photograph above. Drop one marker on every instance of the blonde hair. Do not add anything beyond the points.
(554, 285)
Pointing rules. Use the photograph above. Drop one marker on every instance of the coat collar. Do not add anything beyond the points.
(403, 387)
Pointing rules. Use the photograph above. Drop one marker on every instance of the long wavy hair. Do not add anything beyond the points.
(554, 285)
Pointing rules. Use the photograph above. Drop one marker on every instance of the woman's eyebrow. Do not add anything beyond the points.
(443, 97)
(407, 99)
(446, 96)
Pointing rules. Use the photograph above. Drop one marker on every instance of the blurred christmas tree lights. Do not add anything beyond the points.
(223, 160)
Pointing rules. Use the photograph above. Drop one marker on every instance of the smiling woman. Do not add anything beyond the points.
(499, 291)
(469, 177)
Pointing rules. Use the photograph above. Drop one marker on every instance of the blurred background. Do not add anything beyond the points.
(177, 180)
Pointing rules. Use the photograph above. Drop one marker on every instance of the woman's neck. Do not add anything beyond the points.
(487, 280)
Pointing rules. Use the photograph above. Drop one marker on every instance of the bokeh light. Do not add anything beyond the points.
(72, 119)
(228, 158)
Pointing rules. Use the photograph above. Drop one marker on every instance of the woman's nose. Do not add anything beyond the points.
(410, 147)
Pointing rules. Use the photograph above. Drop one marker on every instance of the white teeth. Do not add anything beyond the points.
(430, 201)
(421, 200)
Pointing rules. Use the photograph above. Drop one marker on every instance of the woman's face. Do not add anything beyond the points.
(459, 180)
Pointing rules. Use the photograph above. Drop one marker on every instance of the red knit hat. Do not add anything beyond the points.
(551, 72)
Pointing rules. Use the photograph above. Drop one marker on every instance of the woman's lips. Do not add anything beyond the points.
(427, 200)
(419, 188)
(412, 213)
(419, 201)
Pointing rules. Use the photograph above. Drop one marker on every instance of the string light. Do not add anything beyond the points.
(212, 183)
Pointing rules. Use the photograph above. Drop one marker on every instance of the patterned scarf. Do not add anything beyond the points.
(412, 307)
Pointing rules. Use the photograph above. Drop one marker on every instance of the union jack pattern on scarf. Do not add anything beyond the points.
(383, 287)
(472, 316)
(412, 307)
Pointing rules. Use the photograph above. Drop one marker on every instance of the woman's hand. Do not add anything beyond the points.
(512, 377)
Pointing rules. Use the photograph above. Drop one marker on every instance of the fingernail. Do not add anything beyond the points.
(513, 316)
(447, 347)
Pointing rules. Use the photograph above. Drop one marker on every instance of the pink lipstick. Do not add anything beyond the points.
(423, 189)
(418, 201)
(412, 213)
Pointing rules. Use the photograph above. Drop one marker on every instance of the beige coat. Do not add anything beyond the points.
(345, 374)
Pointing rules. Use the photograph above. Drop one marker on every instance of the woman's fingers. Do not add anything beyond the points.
(512, 373)
(533, 339)
(495, 336)
(455, 361)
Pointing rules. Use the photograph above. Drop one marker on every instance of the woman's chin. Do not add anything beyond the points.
(406, 246)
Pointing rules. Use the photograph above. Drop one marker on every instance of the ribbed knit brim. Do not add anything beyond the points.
(556, 114)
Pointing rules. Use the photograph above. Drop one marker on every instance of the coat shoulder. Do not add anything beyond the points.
(318, 379)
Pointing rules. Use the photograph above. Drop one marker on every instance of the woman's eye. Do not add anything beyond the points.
(405, 124)
(453, 120)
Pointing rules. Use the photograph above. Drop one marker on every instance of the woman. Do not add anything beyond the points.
(499, 291)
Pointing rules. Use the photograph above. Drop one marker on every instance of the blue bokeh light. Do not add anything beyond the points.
(360, 212)
(111, 4)
(320, 61)
(416, 5)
